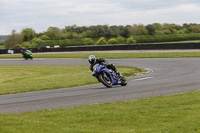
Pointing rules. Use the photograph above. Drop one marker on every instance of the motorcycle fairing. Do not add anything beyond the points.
(101, 68)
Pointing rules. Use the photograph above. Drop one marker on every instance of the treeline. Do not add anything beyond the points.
(103, 34)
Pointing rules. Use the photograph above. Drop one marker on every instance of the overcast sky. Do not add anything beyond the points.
(41, 14)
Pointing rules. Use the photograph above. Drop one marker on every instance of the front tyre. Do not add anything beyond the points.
(105, 80)
(123, 81)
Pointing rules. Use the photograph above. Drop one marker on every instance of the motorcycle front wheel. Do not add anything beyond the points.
(105, 80)
(123, 81)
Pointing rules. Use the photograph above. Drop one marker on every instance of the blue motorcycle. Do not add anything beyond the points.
(107, 76)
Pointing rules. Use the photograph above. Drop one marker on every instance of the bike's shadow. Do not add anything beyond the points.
(103, 87)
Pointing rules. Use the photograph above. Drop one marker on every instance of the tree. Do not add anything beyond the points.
(167, 31)
(54, 33)
(157, 26)
(13, 39)
(113, 31)
(151, 30)
(124, 31)
(138, 29)
(37, 42)
(170, 27)
(71, 28)
(25, 45)
(183, 31)
(75, 35)
(28, 34)
(86, 34)
(195, 28)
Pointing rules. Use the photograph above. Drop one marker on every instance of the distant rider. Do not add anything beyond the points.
(25, 52)
(28, 52)
(93, 61)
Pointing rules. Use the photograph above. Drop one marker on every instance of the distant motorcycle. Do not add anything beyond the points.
(27, 54)
(107, 76)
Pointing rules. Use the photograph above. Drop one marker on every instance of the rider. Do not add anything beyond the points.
(23, 51)
(28, 52)
(93, 61)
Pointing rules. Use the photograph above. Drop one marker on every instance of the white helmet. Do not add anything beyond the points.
(92, 59)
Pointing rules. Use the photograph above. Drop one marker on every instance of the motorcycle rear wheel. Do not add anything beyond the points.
(106, 81)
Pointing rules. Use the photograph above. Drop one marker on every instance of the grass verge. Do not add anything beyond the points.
(113, 55)
(178, 113)
(189, 41)
(16, 79)
(173, 114)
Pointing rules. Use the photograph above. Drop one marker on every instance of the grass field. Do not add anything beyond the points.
(15, 79)
(113, 55)
(184, 41)
(178, 113)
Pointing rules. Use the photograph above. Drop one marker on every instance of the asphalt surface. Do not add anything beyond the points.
(166, 76)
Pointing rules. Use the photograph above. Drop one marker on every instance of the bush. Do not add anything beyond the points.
(130, 40)
(166, 38)
(101, 41)
(66, 35)
(77, 42)
(121, 40)
(112, 41)
(24, 45)
(66, 42)
(44, 37)
(35, 42)
(88, 41)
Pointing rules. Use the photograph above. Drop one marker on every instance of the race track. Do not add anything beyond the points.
(166, 76)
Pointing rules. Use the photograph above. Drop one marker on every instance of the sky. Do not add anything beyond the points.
(42, 14)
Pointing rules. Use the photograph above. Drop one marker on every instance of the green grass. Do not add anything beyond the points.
(16, 79)
(184, 41)
(113, 55)
(178, 113)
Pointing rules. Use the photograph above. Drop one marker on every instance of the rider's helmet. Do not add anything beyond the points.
(92, 59)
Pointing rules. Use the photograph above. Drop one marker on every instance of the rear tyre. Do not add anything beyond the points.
(106, 81)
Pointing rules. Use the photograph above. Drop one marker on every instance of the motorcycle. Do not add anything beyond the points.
(107, 76)
(27, 54)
